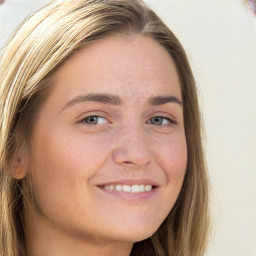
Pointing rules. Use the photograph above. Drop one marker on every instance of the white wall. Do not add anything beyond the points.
(220, 39)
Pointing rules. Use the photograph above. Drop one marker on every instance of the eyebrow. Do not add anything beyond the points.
(116, 100)
(102, 98)
(161, 100)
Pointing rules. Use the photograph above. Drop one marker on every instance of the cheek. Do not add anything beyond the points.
(64, 161)
(63, 165)
(173, 159)
(62, 151)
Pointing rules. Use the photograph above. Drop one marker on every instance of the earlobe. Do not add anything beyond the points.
(19, 169)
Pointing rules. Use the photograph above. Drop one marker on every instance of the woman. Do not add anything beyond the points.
(101, 149)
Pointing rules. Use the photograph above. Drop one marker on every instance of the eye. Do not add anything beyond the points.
(160, 120)
(93, 120)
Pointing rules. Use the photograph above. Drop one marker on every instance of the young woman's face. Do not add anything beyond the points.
(108, 146)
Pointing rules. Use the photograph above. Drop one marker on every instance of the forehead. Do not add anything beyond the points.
(120, 64)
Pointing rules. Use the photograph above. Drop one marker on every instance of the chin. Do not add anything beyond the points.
(135, 234)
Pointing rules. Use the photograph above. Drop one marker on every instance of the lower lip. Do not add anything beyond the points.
(131, 196)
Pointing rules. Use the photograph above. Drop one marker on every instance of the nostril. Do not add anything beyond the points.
(127, 162)
(137, 163)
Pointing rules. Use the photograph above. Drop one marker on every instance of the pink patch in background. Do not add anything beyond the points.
(2, 1)
(251, 4)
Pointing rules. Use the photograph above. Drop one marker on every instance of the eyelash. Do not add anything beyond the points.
(91, 116)
(169, 120)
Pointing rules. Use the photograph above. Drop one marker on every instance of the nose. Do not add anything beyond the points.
(131, 149)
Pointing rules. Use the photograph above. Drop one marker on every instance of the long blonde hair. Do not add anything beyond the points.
(28, 62)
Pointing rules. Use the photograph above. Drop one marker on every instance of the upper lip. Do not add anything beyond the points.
(130, 182)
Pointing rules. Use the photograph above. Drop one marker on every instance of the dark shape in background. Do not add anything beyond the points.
(251, 4)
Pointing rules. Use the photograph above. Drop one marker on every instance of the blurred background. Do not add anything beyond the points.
(220, 39)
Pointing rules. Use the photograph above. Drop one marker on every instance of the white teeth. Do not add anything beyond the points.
(136, 188)
(148, 188)
(129, 188)
(142, 188)
(119, 188)
(111, 187)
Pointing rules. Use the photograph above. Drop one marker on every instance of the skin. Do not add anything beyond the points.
(124, 143)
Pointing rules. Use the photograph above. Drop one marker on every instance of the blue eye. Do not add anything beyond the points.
(160, 120)
(92, 120)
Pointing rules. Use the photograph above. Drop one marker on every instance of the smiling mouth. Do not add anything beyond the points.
(129, 188)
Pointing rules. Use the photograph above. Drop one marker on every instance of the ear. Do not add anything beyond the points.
(19, 168)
